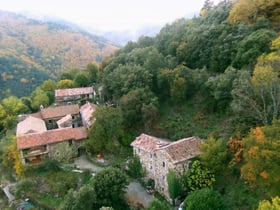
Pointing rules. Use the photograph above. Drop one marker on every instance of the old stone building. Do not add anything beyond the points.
(34, 147)
(157, 156)
(56, 132)
(73, 95)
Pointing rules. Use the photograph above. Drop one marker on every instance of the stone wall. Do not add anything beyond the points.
(157, 166)
(63, 151)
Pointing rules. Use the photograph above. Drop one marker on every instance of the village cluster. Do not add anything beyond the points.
(66, 125)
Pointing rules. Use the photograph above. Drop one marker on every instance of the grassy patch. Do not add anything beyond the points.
(47, 201)
(180, 121)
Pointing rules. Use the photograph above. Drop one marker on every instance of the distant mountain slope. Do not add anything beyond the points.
(44, 46)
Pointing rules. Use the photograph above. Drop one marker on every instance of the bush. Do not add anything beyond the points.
(23, 188)
(204, 199)
(135, 169)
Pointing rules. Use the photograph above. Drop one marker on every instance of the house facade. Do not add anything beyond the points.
(73, 95)
(158, 156)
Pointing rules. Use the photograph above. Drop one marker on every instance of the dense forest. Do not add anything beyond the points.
(43, 48)
(215, 76)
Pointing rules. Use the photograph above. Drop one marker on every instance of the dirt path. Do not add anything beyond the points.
(83, 163)
(137, 196)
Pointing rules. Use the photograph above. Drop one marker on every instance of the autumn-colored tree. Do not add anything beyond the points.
(11, 107)
(262, 155)
(63, 84)
(11, 157)
(267, 205)
(249, 11)
(235, 149)
(273, 58)
(257, 96)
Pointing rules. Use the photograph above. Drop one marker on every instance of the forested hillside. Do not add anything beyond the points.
(32, 51)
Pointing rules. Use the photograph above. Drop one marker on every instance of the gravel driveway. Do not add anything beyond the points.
(137, 196)
(83, 163)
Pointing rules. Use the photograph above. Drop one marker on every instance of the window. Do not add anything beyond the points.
(163, 178)
(139, 150)
(163, 164)
(151, 155)
(70, 142)
(151, 167)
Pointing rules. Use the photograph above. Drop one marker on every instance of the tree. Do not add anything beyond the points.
(252, 46)
(3, 116)
(12, 157)
(11, 107)
(157, 204)
(139, 107)
(220, 88)
(92, 70)
(249, 11)
(198, 177)
(135, 169)
(267, 205)
(107, 131)
(204, 199)
(109, 185)
(261, 155)
(174, 186)
(257, 96)
(39, 97)
(49, 87)
(85, 198)
(65, 83)
(81, 80)
(214, 154)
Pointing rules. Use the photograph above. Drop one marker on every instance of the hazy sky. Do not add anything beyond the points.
(109, 14)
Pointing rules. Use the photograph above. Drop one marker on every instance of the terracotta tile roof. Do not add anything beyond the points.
(51, 136)
(149, 143)
(73, 91)
(176, 151)
(59, 111)
(30, 125)
(86, 113)
(183, 149)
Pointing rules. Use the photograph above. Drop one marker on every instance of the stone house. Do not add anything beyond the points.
(157, 156)
(72, 95)
(53, 131)
(34, 147)
(52, 114)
